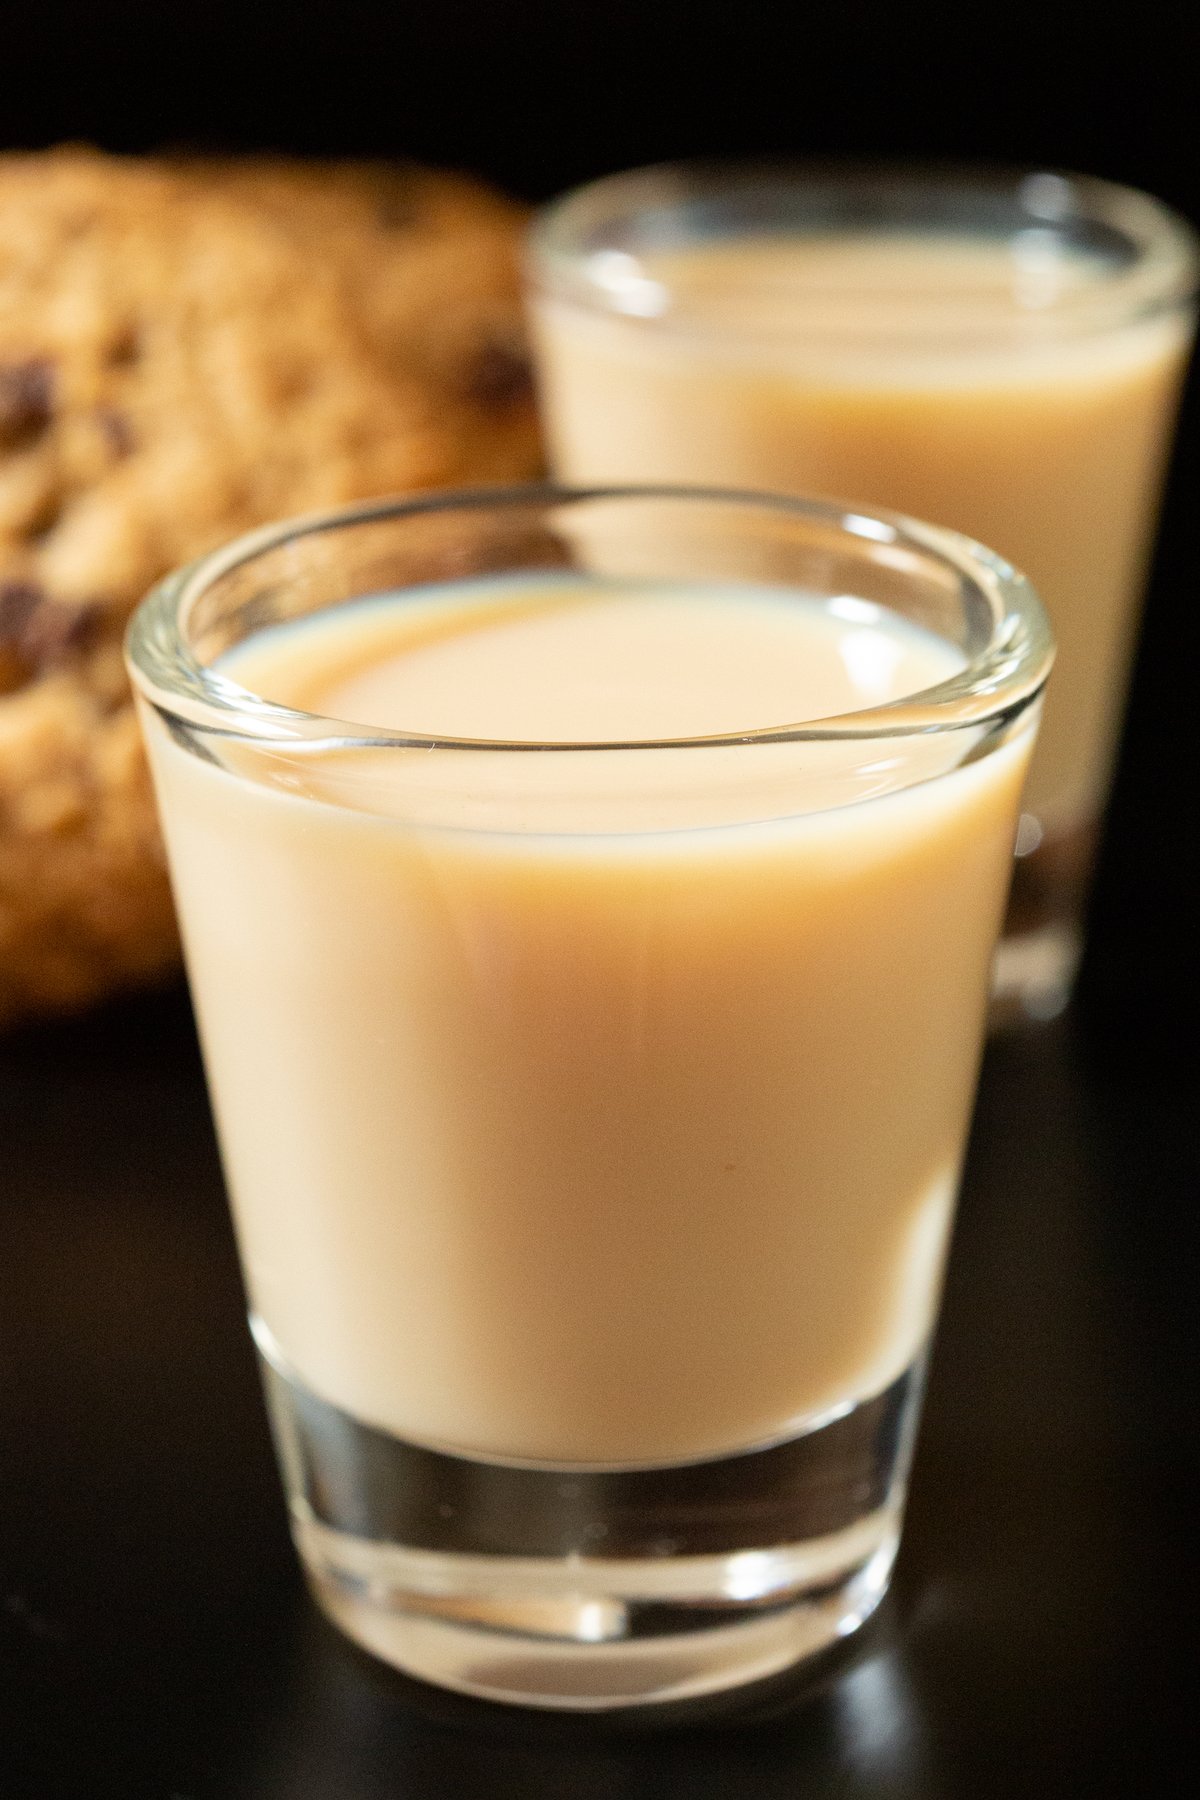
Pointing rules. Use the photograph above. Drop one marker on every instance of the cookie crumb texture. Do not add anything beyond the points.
(189, 349)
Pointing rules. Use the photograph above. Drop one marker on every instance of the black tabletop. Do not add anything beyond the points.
(155, 1635)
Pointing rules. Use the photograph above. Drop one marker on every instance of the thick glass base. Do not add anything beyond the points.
(1037, 958)
(592, 1587)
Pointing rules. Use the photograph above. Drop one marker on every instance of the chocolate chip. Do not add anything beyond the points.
(59, 630)
(499, 376)
(117, 430)
(26, 399)
(124, 348)
(40, 633)
(19, 600)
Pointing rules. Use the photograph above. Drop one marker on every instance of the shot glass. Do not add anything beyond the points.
(999, 352)
(592, 1102)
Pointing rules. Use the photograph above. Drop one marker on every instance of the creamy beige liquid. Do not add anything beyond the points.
(905, 372)
(594, 1105)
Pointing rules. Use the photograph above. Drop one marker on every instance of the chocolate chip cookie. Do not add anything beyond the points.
(187, 349)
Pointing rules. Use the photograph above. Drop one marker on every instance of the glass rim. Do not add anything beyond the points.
(1163, 275)
(997, 684)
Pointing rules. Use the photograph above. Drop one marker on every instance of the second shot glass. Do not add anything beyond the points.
(1001, 353)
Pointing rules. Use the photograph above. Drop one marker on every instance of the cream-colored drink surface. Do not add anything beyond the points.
(607, 1141)
(911, 372)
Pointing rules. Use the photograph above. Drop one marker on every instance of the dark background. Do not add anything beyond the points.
(540, 94)
(545, 92)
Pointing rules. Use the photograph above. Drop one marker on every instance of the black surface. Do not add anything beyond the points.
(155, 1639)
